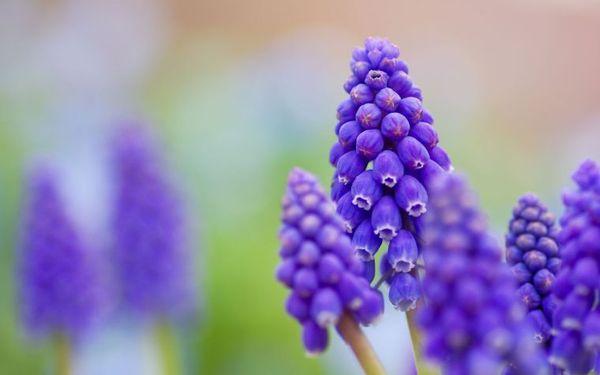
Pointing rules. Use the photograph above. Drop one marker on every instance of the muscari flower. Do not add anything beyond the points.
(318, 264)
(59, 290)
(577, 317)
(472, 320)
(532, 251)
(385, 157)
(151, 257)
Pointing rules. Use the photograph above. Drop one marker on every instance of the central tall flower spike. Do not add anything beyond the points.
(577, 319)
(318, 264)
(385, 157)
(533, 252)
(472, 319)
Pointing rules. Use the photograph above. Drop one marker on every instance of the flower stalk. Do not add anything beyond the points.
(350, 331)
(167, 346)
(62, 349)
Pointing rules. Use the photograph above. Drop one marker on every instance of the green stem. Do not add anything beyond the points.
(422, 367)
(63, 354)
(350, 331)
(167, 346)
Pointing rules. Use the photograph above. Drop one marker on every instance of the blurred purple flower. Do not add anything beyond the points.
(152, 261)
(59, 290)
(577, 317)
(472, 320)
(385, 122)
(533, 253)
(319, 264)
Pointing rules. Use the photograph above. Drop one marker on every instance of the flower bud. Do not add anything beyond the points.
(346, 111)
(394, 126)
(351, 214)
(335, 152)
(350, 165)
(411, 196)
(325, 307)
(401, 83)
(440, 156)
(387, 99)
(314, 338)
(369, 116)
(412, 153)
(385, 218)
(376, 79)
(404, 291)
(365, 241)
(361, 94)
(411, 108)
(297, 307)
(403, 252)
(330, 269)
(426, 134)
(369, 144)
(387, 168)
(348, 133)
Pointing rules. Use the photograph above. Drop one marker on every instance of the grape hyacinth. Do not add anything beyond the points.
(153, 263)
(385, 157)
(533, 253)
(59, 294)
(577, 318)
(318, 264)
(472, 320)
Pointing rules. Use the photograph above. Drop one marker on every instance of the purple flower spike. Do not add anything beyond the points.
(369, 116)
(387, 99)
(403, 252)
(411, 196)
(471, 300)
(350, 165)
(397, 144)
(59, 290)
(361, 94)
(319, 264)
(404, 291)
(150, 236)
(576, 285)
(412, 153)
(387, 168)
(385, 219)
(366, 243)
(394, 126)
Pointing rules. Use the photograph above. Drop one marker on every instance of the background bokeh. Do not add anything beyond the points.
(240, 92)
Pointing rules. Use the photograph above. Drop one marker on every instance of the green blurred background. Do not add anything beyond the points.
(239, 92)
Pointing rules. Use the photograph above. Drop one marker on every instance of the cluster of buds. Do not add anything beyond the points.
(319, 265)
(577, 318)
(472, 320)
(532, 251)
(386, 156)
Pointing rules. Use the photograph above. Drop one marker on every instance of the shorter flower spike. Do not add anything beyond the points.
(318, 261)
(472, 320)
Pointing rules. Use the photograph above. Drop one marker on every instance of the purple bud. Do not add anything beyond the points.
(385, 218)
(338, 189)
(400, 82)
(350, 83)
(365, 241)
(330, 269)
(426, 134)
(297, 307)
(426, 116)
(309, 254)
(369, 144)
(553, 265)
(346, 111)
(411, 196)
(412, 153)
(310, 224)
(543, 281)
(387, 168)
(368, 116)
(415, 92)
(534, 260)
(513, 255)
(429, 174)
(567, 352)
(537, 228)
(371, 308)
(290, 240)
(526, 241)
(360, 69)
(521, 273)
(361, 94)
(529, 296)
(335, 152)
(403, 252)
(591, 331)
(394, 126)
(376, 79)
(359, 54)
(387, 99)
(315, 338)
(351, 214)
(541, 327)
(549, 306)
(562, 284)
(348, 133)
(305, 282)
(411, 108)
(440, 156)
(325, 307)
(404, 291)
(286, 271)
(585, 274)
(548, 246)
(351, 291)
(349, 166)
